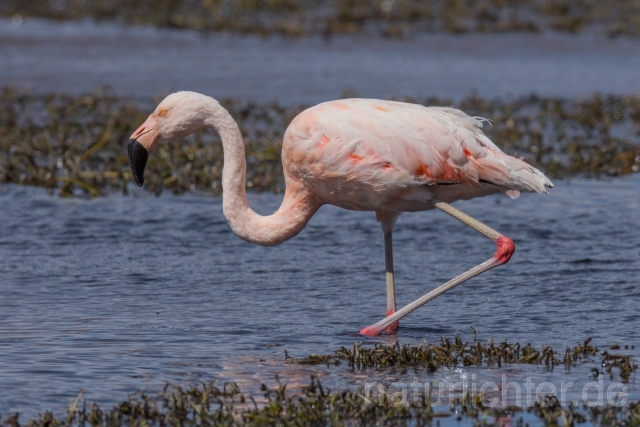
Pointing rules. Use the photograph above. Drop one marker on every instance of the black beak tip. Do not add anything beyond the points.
(138, 156)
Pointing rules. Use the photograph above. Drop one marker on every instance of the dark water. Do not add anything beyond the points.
(78, 57)
(121, 293)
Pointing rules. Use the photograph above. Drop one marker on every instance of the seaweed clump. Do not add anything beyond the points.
(377, 403)
(76, 145)
(449, 353)
(387, 18)
(452, 353)
(209, 405)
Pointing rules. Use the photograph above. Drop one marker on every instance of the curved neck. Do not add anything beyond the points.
(296, 210)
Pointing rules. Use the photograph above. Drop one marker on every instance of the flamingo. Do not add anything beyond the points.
(359, 154)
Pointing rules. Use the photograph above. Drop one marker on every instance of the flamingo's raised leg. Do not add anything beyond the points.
(502, 256)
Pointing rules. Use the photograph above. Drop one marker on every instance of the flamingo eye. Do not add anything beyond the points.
(163, 112)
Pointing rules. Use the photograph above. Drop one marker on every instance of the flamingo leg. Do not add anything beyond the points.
(502, 256)
(391, 287)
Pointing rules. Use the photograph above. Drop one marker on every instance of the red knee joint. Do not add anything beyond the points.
(506, 248)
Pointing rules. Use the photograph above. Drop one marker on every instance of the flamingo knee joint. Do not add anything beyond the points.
(506, 248)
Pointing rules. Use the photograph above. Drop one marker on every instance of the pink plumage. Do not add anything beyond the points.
(368, 154)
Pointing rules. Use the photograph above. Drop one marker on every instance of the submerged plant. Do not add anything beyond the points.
(452, 353)
(432, 356)
(313, 405)
(215, 404)
(76, 144)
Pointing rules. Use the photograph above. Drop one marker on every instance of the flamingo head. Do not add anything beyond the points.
(178, 115)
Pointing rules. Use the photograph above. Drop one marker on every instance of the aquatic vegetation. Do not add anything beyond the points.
(388, 18)
(76, 145)
(451, 353)
(210, 405)
(213, 404)
(624, 364)
(463, 353)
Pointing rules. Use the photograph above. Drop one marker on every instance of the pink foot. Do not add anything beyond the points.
(374, 332)
(370, 331)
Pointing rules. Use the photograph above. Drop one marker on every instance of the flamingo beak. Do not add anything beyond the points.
(138, 156)
(141, 143)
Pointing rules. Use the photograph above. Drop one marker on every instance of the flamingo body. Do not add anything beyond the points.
(359, 154)
(374, 155)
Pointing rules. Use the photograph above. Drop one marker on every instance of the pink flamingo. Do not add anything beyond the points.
(359, 154)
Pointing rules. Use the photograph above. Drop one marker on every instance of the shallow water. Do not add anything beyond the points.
(121, 293)
(77, 57)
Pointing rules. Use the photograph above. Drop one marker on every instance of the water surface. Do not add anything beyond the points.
(76, 57)
(121, 293)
